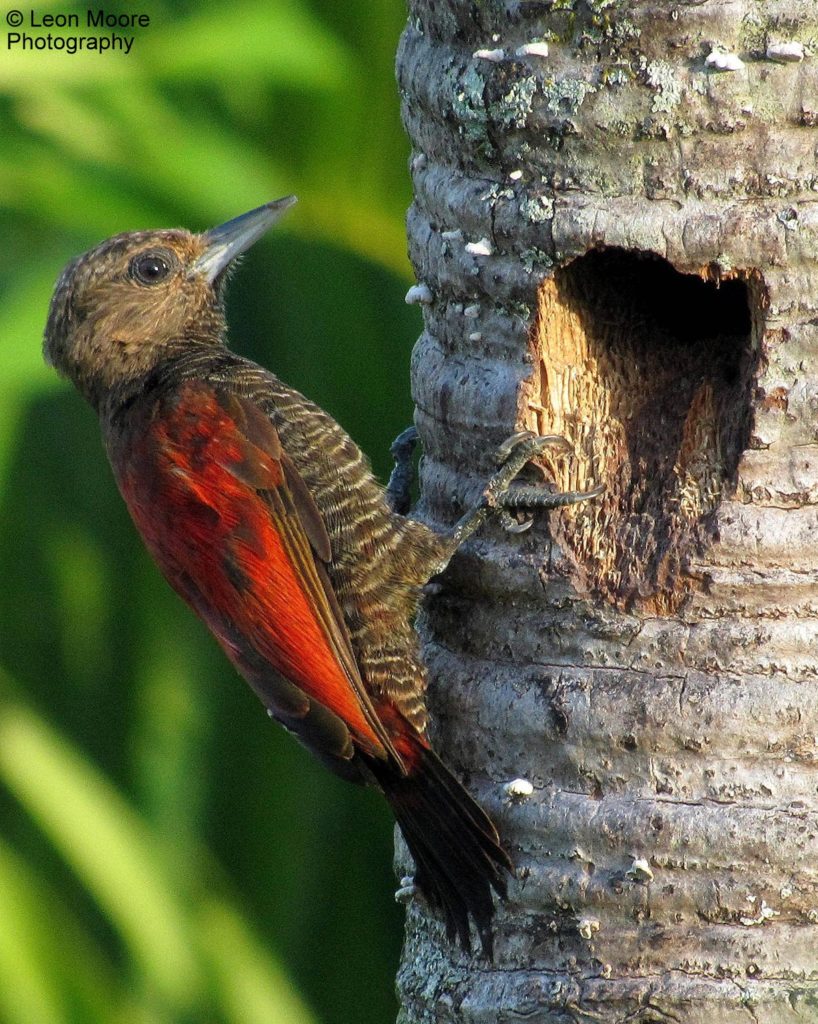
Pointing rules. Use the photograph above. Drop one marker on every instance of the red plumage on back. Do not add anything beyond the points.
(220, 520)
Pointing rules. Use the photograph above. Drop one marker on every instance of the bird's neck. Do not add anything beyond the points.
(191, 359)
(179, 360)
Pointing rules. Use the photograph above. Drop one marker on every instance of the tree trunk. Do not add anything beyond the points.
(619, 239)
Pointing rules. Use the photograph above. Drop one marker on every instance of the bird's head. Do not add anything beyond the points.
(121, 308)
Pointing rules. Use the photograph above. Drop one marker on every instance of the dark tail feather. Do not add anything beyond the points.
(455, 846)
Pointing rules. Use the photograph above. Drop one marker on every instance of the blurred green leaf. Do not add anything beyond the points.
(29, 991)
(22, 319)
(22, 369)
(106, 844)
(38, 965)
(21, 69)
(251, 987)
(192, 948)
(83, 584)
(280, 42)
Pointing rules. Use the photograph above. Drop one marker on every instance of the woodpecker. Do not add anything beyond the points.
(265, 518)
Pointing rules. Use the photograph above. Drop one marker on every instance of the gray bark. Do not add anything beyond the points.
(619, 240)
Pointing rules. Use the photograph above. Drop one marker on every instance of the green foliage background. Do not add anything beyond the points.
(166, 854)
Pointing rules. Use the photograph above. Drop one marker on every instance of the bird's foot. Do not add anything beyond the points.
(500, 498)
(399, 488)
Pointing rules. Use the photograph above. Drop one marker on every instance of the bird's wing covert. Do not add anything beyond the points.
(258, 558)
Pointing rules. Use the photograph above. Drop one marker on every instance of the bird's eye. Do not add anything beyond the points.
(149, 268)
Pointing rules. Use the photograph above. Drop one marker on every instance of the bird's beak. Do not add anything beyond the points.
(229, 240)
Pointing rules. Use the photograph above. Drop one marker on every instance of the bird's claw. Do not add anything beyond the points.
(515, 453)
(512, 455)
(512, 525)
(525, 444)
(510, 443)
(536, 497)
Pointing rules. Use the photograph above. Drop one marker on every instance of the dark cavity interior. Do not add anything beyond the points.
(648, 372)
